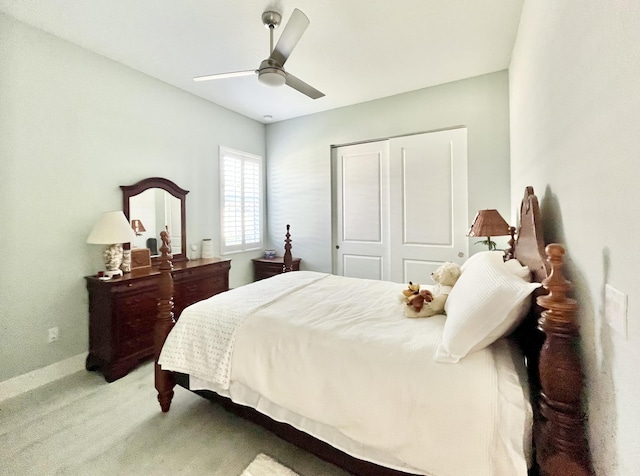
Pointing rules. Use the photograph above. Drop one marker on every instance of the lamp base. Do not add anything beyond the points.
(112, 256)
(110, 274)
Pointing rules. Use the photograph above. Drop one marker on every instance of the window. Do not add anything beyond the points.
(241, 201)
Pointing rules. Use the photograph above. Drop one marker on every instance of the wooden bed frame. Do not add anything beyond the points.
(548, 339)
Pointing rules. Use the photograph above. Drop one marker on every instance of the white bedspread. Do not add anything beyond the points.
(368, 373)
(201, 344)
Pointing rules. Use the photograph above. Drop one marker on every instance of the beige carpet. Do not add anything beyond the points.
(264, 465)
(81, 425)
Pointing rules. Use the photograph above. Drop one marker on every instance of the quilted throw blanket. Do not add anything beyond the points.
(201, 343)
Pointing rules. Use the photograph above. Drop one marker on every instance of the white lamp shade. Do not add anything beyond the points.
(112, 228)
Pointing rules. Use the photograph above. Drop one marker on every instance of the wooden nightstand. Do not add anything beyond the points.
(265, 268)
(123, 310)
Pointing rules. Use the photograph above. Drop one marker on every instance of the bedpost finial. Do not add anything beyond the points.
(555, 251)
(556, 281)
(288, 259)
(560, 310)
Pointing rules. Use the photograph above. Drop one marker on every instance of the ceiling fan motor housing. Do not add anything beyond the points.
(271, 73)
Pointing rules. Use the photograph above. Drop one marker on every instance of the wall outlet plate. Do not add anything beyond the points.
(615, 309)
(53, 334)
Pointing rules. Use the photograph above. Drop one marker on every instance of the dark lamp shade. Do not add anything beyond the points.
(489, 223)
(138, 227)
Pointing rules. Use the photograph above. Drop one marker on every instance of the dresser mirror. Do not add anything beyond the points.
(150, 205)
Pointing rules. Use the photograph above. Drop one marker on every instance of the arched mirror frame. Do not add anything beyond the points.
(129, 191)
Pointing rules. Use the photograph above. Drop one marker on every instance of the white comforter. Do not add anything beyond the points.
(338, 358)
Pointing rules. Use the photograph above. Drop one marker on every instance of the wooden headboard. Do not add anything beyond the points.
(529, 247)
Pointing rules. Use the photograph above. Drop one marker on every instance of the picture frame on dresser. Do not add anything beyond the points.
(140, 258)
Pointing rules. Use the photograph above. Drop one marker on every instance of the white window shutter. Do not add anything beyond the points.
(241, 201)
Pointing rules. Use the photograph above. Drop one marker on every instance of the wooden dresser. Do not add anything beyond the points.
(122, 310)
(267, 267)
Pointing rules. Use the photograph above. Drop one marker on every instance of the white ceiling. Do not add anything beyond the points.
(353, 50)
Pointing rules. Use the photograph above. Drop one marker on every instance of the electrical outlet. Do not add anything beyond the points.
(53, 334)
(615, 309)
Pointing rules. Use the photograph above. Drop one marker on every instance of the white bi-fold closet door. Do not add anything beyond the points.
(400, 206)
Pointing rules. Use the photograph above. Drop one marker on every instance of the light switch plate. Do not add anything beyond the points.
(615, 309)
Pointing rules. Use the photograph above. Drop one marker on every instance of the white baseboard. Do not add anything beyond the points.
(36, 378)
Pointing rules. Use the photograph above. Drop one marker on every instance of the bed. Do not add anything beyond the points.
(332, 364)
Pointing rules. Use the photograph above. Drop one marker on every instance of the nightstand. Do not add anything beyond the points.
(265, 268)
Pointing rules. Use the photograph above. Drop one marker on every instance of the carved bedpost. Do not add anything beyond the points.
(288, 259)
(509, 253)
(561, 443)
(164, 381)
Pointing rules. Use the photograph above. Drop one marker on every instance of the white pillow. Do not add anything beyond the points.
(483, 255)
(484, 304)
(514, 266)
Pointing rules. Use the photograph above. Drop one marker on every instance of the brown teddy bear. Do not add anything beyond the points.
(412, 290)
(444, 277)
(416, 301)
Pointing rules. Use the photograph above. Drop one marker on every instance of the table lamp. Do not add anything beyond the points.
(138, 227)
(112, 230)
(489, 223)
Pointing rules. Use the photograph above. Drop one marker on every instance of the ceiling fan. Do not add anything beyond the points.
(271, 71)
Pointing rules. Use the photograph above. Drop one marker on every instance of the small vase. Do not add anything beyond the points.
(126, 261)
(207, 248)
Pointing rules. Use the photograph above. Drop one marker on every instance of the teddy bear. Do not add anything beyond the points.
(425, 306)
(416, 301)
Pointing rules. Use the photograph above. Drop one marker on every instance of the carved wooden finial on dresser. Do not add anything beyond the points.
(561, 439)
(164, 381)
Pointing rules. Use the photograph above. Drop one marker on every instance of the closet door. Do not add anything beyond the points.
(429, 219)
(361, 210)
(401, 206)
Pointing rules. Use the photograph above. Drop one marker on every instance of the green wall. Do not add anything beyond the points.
(299, 152)
(74, 126)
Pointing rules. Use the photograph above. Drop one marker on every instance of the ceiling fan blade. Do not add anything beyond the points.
(303, 87)
(290, 36)
(233, 74)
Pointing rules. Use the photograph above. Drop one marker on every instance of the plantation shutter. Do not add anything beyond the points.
(241, 201)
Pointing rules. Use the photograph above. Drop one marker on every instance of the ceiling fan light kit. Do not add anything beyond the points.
(270, 74)
(271, 71)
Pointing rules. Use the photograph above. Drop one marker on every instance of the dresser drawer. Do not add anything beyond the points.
(139, 346)
(135, 286)
(191, 291)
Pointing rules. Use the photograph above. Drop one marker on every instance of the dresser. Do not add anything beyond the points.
(267, 267)
(122, 310)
